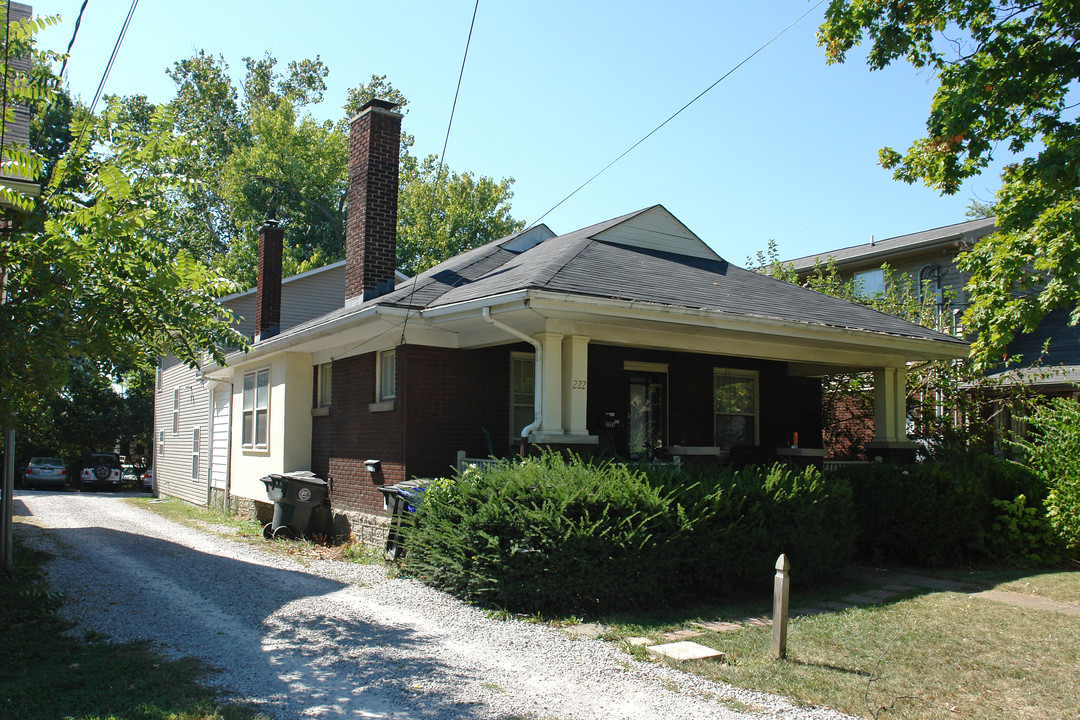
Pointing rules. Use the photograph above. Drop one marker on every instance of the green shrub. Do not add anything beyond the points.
(945, 513)
(547, 535)
(1054, 453)
(557, 536)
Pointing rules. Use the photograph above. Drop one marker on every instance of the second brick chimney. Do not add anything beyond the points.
(268, 289)
(371, 218)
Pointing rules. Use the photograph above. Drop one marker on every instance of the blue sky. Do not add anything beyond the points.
(785, 148)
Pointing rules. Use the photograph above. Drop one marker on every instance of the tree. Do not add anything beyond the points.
(1006, 69)
(83, 278)
(264, 155)
(945, 398)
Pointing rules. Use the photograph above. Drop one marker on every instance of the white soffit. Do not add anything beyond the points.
(657, 229)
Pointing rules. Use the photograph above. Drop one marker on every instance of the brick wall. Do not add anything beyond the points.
(371, 220)
(444, 398)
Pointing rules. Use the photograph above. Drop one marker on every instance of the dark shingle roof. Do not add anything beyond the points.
(969, 231)
(580, 264)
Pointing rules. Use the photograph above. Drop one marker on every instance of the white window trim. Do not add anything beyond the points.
(176, 411)
(253, 445)
(324, 372)
(515, 435)
(380, 370)
(756, 375)
(196, 458)
(161, 443)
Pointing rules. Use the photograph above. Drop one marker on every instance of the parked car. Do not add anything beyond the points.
(100, 469)
(45, 471)
(148, 480)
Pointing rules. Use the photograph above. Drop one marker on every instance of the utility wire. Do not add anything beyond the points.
(677, 113)
(74, 34)
(104, 78)
(442, 156)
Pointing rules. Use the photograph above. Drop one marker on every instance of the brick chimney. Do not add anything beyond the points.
(268, 289)
(371, 219)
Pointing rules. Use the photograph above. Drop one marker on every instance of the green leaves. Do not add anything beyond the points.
(1007, 72)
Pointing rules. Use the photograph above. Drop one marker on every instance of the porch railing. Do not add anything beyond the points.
(834, 465)
(465, 462)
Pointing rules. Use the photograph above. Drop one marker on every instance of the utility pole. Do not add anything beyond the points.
(6, 505)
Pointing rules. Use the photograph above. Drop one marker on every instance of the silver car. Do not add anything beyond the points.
(45, 471)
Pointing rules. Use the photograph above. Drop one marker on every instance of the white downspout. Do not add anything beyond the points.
(538, 382)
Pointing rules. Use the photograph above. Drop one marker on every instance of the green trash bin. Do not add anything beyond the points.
(295, 496)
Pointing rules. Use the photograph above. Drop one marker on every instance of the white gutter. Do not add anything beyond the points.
(538, 387)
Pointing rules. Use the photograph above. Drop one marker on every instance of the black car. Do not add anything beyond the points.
(100, 469)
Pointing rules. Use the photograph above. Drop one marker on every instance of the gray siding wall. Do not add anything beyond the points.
(303, 298)
(172, 467)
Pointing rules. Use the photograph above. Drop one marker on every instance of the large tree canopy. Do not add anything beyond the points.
(83, 276)
(260, 153)
(1008, 71)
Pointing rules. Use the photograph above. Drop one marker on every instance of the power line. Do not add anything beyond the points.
(676, 113)
(442, 156)
(104, 78)
(74, 34)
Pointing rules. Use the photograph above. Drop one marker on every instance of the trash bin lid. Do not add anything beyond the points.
(304, 477)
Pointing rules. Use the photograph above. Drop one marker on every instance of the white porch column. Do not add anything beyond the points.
(552, 412)
(575, 376)
(890, 404)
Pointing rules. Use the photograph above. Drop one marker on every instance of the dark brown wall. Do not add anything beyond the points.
(787, 404)
(445, 397)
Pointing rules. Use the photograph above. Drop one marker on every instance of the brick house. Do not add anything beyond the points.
(630, 338)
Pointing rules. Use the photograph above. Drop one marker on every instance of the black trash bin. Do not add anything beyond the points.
(401, 499)
(295, 496)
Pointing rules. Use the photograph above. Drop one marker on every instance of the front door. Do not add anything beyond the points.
(648, 414)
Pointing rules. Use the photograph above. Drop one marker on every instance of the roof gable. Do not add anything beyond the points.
(656, 229)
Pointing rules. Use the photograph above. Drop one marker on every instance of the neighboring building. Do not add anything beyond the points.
(629, 338)
(17, 129)
(929, 259)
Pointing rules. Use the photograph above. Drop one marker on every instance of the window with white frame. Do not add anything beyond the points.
(195, 454)
(735, 407)
(386, 372)
(522, 393)
(161, 443)
(323, 377)
(870, 282)
(176, 411)
(256, 409)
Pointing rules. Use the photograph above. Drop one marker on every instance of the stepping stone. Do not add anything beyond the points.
(587, 629)
(808, 611)
(898, 588)
(882, 594)
(837, 606)
(685, 651)
(718, 625)
(681, 634)
(857, 599)
(637, 640)
(758, 621)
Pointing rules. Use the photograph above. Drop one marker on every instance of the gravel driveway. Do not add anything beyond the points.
(326, 639)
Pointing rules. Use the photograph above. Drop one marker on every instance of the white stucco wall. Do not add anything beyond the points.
(289, 438)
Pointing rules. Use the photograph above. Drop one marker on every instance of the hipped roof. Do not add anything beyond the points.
(646, 256)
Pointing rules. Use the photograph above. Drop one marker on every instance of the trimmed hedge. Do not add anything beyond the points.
(975, 508)
(558, 536)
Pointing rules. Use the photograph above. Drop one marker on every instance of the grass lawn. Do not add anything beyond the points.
(930, 655)
(50, 672)
(221, 523)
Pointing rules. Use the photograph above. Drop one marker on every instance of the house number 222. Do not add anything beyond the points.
(579, 384)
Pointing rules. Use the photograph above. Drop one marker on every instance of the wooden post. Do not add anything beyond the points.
(781, 590)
